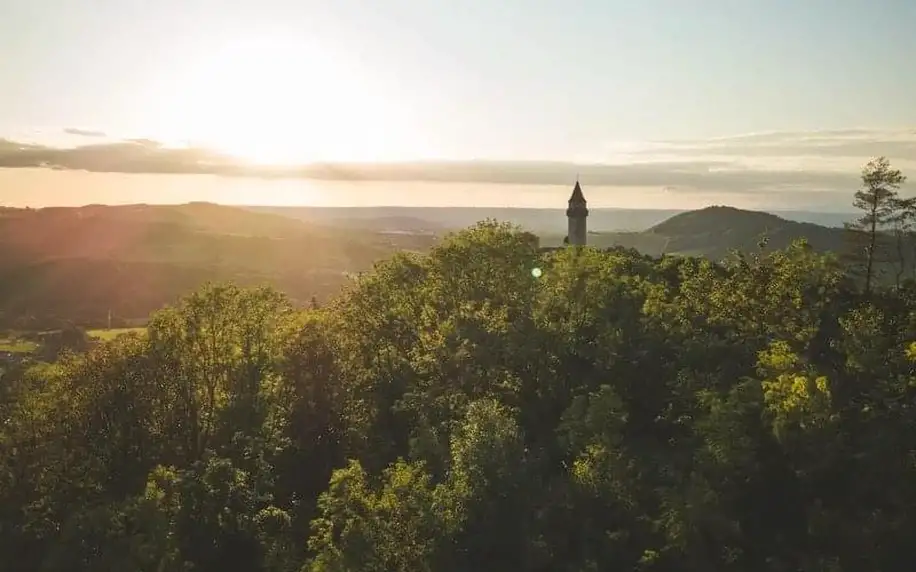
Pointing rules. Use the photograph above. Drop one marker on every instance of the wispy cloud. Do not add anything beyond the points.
(84, 132)
(803, 163)
(846, 143)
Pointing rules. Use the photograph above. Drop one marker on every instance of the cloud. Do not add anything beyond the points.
(10, 147)
(84, 132)
(849, 143)
(801, 164)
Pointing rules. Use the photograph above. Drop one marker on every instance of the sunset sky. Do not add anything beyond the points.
(821, 84)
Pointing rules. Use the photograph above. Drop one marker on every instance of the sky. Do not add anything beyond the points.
(766, 88)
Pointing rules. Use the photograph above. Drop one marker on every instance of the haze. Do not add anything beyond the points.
(653, 104)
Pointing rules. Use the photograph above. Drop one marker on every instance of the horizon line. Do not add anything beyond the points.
(427, 207)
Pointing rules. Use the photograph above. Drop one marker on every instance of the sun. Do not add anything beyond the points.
(276, 100)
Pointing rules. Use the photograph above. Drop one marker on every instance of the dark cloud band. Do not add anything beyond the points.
(706, 165)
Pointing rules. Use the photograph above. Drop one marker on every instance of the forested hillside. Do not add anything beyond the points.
(62, 265)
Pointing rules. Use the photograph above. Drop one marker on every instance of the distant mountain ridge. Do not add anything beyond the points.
(538, 220)
(712, 232)
(715, 231)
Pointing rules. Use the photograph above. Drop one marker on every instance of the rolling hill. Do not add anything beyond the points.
(74, 264)
(714, 231)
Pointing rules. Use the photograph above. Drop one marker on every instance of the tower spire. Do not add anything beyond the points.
(576, 216)
(577, 197)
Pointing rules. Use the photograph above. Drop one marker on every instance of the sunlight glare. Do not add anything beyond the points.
(275, 100)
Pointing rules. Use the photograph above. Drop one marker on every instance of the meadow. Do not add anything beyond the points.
(25, 342)
(106, 334)
(16, 345)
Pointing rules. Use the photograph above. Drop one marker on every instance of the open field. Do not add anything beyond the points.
(24, 342)
(105, 334)
(16, 345)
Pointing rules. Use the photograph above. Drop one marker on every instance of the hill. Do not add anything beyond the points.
(63, 264)
(713, 232)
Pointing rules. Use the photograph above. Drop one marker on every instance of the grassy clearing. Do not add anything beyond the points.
(111, 334)
(17, 346)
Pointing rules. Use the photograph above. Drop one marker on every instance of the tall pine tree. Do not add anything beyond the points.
(879, 202)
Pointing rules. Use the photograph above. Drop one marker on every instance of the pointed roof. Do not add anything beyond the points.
(577, 196)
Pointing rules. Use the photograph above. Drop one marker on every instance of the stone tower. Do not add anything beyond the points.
(576, 215)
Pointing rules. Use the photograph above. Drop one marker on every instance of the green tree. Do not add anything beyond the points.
(879, 201)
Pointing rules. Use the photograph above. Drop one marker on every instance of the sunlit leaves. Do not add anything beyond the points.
(793, 392)
(394, 528)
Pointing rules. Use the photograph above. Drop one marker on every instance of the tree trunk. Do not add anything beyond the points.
(872, 241)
